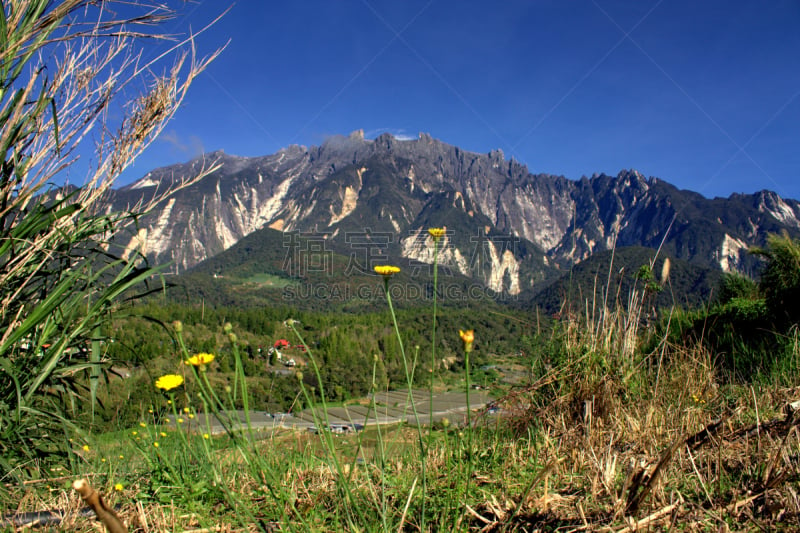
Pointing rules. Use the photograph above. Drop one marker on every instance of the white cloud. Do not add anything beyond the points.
(398, 133)
(191, 146)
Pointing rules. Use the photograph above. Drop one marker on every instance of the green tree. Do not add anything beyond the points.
(780, 280)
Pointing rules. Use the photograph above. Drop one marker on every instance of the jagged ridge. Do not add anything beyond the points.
(508, 228)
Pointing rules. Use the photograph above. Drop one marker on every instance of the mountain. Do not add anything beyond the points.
(371, 201)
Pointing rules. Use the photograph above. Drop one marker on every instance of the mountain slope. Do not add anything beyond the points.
(269, 267)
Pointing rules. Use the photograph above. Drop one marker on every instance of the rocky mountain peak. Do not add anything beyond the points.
(401, 187)
(771, 203)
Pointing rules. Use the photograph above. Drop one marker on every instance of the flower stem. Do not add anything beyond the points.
(410, 384)
(433, 367)
(245, 397)
(469, 427)
(433, 327)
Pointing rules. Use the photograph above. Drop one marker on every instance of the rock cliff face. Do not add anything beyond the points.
(507, 228)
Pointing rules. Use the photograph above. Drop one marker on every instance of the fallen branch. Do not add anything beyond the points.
(782, 426)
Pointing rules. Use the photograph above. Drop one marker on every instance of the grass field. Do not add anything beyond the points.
(267, 280)
(598, 442)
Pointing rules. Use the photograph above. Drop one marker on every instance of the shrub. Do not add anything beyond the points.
(733, 285)
(749, 327)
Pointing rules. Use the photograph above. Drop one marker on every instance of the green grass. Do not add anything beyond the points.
(547, 472)
(268, 281)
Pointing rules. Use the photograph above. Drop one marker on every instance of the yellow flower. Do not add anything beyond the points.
(205, 436)
(118, 487)
(103, 460)
(86, 447)
(467, 337)
(191, 415)
(155, 444)
(134, 433)
(386, 270)
(436, 233)
(185, 409)
(169, 382)
(180, 421)
(143, 424)
(200, 359)
(163, 434)
(122, 457)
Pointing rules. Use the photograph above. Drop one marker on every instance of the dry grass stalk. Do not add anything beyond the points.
(95, 65)
(650, 519)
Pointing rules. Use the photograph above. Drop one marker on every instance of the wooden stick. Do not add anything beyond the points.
(104, 513)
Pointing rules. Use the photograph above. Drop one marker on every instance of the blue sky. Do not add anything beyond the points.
(705, 95)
